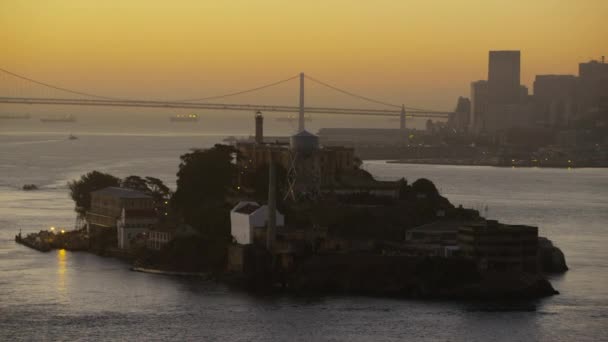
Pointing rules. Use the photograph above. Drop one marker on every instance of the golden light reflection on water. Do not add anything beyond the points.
(61, 270)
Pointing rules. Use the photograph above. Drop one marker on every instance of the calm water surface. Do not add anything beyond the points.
(77, 296)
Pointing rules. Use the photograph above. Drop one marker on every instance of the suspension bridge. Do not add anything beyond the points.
(56, 95)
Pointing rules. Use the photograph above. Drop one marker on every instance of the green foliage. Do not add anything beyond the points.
(204, 181)
(260, 180)
(149, 185)
(80, 190)
(157, 188)
(135, 183)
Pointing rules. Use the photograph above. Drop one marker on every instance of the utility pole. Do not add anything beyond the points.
(301, 117)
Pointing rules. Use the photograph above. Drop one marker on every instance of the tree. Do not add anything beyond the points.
(158, 189)
(261, 181)
(135, 183)
(425, 186)
(80, 190)
(204, 181)
(149, 185)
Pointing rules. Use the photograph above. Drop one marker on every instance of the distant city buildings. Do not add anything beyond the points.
(555, 96)
(459, 120)
(502, 103)
(479, 106)
(592, 86)
(504, 85)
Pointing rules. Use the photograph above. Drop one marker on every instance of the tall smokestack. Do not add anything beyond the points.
(272, 204)
(301, 117)
(259, 128)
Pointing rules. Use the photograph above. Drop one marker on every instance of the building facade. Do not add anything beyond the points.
(504, 77)
(107, 206)
(555, 97)
(247, 216)
(133, 222)
(500, 247)
(592, 87)
(479, 106)
(313, 166)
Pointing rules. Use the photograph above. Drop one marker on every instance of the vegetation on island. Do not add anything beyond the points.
(80, 190)
(209, 184)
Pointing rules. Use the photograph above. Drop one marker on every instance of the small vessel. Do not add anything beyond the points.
(184, 118)
(29, 187)
(72, 137)
(64, 118)
(14, 117)
(292, 118)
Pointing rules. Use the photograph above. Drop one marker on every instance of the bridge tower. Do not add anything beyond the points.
(301, 112)
(402, 125)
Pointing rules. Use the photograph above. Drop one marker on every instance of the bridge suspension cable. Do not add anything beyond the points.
(194, 103)
(57, 87)
(361, 97)
(240, 92)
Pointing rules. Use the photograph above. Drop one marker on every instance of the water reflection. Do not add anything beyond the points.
(61, 270)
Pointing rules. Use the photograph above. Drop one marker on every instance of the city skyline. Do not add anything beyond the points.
(423, 55)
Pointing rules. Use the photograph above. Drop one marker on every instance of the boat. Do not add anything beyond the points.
(14, 117)
(184, 118)
(65, 118)
(72, 137)
(292, 118)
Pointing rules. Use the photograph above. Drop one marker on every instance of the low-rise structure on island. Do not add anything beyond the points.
(133, 222)
(246, 217)
(501, 247)
(120, 212)
(161, 234)
(108, 203)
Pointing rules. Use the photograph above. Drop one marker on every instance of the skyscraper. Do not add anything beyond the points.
(555, 96)
(504, 77)
(479, 104)
(593, 85)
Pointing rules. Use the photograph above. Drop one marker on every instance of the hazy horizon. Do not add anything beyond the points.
(411, 52)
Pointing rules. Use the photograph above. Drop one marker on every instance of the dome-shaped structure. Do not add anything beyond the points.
(304, 142)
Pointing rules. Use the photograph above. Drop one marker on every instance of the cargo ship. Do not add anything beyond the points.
(65, 118)
(184, 118)
(292, 118)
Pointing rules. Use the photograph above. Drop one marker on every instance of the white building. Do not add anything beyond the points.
(133, 222)
(246, 216)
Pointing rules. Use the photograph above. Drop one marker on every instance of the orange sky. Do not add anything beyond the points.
(422, 53)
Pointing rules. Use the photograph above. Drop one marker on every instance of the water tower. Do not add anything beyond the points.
(303, 175)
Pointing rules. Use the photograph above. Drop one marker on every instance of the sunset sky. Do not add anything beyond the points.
(422, 53)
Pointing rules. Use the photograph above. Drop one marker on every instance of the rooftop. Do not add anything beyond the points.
(120, 192)
(247, 209)
(441, 226)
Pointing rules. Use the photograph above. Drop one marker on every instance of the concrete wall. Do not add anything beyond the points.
(241, 225)
(240, 228)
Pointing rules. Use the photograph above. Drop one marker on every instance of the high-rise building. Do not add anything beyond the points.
(593, 85)
(504, 77)
(555, 97)
(459, 120)
(479, 104)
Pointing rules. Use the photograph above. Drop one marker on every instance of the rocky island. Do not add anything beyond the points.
(304, 218)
